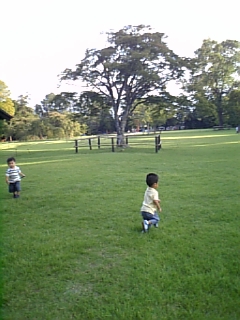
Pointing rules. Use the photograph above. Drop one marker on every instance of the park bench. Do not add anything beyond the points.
(221, 127)
(218, 128)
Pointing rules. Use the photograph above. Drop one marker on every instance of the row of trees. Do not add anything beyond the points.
(126, 86)
(27, 125)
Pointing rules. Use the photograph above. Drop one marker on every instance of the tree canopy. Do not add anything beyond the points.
(6, 103)
(136, 64)
(215, 73)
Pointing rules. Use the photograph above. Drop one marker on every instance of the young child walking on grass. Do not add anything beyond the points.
(13, 177)
(151, 203)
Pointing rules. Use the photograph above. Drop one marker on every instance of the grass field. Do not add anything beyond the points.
(72, 246)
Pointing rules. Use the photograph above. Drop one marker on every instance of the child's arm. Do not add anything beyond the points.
(157, 203)
(20, 173)
(7, 179)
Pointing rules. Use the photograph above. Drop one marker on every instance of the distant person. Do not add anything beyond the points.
(151, 203)
(237, 131)
(13, 177)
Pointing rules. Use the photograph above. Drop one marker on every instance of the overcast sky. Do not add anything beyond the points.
(39, 39)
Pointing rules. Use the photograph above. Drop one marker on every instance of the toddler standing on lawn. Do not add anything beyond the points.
(151, 203)
(13, 177)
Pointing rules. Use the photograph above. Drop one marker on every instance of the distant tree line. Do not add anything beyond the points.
(127, 85)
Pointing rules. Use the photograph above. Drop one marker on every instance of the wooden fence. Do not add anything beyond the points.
(113, 143)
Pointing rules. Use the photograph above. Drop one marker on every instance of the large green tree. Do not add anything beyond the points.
(215, 72)
(232, 108)
(154, 111)
(19, 127)
(141, 117)
(56, 125)
(136, 63)
(93, 109)
(195, 111)
(60, 125)
(65, 101)
(6, 102)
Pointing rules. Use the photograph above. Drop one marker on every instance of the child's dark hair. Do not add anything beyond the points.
(11, 159)
(151, 179)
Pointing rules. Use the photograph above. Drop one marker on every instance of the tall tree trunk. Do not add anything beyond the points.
(220, 116)
(120, 127)
(120, 134)
(220, 110)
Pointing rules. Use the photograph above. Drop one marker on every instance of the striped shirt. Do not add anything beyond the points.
(13, 174)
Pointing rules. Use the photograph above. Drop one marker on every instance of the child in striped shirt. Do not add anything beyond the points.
(13, 177)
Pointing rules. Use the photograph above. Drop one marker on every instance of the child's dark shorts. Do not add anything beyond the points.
(14, 187)
(148, 216)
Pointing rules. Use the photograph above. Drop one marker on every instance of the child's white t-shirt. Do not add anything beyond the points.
(148, 205)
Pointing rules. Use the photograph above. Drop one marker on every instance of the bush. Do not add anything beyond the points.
(32, 138)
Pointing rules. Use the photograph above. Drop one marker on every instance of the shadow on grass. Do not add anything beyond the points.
(49, 154)
(55, 156)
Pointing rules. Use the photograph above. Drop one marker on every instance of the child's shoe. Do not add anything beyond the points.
(145, 225)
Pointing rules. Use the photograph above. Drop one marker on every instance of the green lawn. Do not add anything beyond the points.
(72, 246)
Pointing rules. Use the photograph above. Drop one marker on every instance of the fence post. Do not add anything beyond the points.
(159, 142)
(90, 144)
(99, 142)
(156, 144)
(76, 146)
(126, 140)
(112, 144)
